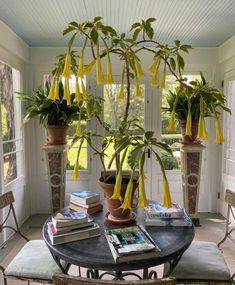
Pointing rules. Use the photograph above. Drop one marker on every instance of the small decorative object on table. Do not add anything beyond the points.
(131, 243)
(85, 201)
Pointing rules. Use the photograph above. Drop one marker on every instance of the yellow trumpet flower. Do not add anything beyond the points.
(219, 134)
(56, 93)
(143, 202)
(121, 93)
(67, 65)
(78, 95)
(202, 132)
(188, 130)
(78, 129)
(152, 68)
(51, 95)
(76, 174)
(171, 122)
(166, 194)
(117, 187)
(163, 80)
(139, 69)
(80, 72)
(67, 92)
(137, 89)
(84, 92)
(99, 73)
(87, 69)
(127, 203)
(109, 71)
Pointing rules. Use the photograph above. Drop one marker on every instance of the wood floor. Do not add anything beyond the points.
(211, 229)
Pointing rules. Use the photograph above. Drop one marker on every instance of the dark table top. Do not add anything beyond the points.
(95, 253)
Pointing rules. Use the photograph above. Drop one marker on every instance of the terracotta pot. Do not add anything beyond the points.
(193, 137)
(114, 204)
(56, 135)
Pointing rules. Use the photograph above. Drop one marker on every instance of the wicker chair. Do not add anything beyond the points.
(34, 261)
(230, 200)
(61, 279)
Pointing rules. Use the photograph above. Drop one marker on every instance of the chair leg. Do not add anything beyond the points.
(226, 230)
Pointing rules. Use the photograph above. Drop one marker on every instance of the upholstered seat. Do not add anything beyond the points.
(202, 261)
(33, 261)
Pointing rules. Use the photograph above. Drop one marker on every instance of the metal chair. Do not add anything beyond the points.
(230, 200)
(61, 279)
(34, 261)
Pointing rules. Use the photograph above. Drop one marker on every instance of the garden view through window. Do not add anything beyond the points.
(172, 138)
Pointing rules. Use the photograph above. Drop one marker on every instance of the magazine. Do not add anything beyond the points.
(157, 210)
(130, 243)
(69, 218)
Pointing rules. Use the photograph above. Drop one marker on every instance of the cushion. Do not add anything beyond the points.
(202, 261)
(33, 261)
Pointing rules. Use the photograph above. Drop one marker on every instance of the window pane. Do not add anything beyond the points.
(10, 167)
(8, 147)
(114, 111)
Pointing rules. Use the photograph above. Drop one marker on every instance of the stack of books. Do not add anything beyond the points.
(85, 201)
(131, 243)
(158, 215)
(69, 226)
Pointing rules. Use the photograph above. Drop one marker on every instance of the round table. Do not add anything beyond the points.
(94, 253)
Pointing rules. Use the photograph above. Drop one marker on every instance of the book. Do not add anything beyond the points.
(184, 221)
(130, 243)
(83, 205)
(75, 235)
(85, 197)
(157, 210)
(69, 218)
(58, 230)
(88, 211)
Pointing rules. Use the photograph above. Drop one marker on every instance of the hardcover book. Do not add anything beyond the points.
(85, 197)
(185, 221)
(157, 210)
(74, 201)
(130, 243)
(69, 218)
(89, 211)
(75, 235)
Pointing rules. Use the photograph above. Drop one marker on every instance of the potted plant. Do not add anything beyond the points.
(190, 104)
(127, 142)
(55, 115)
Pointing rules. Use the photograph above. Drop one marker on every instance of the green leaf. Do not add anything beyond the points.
(97, 19)
(135, 34)
(135, 25)
(68, 30)
(185, 48)
(94, 36)
(177, 43)
(150, 32)
(72, 40)
(150, 20)
(135, 156)
(172, 63)
(180, 61)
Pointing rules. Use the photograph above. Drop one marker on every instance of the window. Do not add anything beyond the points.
(172, 138)
(11, 134)
(114, 110)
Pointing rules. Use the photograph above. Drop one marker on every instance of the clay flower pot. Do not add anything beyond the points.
(116, 215)
(56, 135)
(192, 139)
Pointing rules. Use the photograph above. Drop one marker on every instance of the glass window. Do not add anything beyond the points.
(10, 123)
(114, 111)
(172, 138)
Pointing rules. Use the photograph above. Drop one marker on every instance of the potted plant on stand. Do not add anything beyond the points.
(188, 105)
(129, 140)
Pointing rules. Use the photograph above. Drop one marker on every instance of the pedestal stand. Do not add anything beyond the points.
(56, 158)
(191, 158)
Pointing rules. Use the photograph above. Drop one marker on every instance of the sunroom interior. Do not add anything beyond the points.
(31, 35)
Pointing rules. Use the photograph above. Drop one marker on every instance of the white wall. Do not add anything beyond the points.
(15, 52)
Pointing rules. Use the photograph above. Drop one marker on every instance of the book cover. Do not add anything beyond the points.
(184, 221)
(85, 197)
(60, 230)
(88, 211)
(69, 218)
(130, 243)
(76, 235)
(74, 201)
(157, 210)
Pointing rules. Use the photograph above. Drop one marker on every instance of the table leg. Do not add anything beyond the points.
(65, 268)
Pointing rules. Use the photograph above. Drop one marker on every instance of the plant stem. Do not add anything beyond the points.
(128, 88)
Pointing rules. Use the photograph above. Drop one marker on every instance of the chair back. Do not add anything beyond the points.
(61, 279)
(7, 200)
(230, 197)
